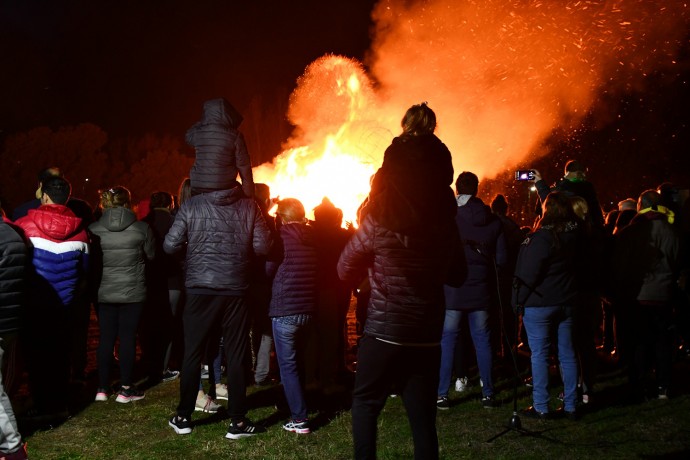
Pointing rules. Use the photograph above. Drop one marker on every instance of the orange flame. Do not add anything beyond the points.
(342, 139)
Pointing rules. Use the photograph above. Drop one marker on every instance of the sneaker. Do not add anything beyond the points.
(297, 427)
(206, 404)
(169, 376)
(204, 373)
(243, 429)
(130, 394)
(462, 384)
(181, 425)
(489, 402)
(101, 395)
(663, 393)
(442, 403)
(221, 391)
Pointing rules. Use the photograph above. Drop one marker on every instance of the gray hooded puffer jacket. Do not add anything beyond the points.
(220, 150)
(222, 231)
(124, 244)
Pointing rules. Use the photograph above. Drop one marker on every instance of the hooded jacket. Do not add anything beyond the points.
(293, 266)
(222, 231)
(221, 152)
(484, 244)
(59, 253)
(412, 189)
(646, 259)
(13, 268)
(123, 245)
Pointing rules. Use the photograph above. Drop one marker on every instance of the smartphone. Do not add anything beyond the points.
(524, 174)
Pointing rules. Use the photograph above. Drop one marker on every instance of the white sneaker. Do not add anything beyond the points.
(206, 404)
(221, 391)
(462, 384)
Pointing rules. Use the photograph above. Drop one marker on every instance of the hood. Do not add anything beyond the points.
(117, 219)
(55, 220)
(301, 232)
(418, 145)
(221, 197)
(476, 212)
(222, 112)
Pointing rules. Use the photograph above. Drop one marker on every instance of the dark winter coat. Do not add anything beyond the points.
(123, 244)
(293, 267)
(547, 268)
(221, 152)
(59, 254)
(646, 259)
(484, 244)
(221, 231)
(165, 270)
(407, 274)
(412, 189)
(14, 261)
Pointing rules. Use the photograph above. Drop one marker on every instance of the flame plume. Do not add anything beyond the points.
(500, 75)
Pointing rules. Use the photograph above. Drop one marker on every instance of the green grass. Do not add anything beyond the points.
(612, 429)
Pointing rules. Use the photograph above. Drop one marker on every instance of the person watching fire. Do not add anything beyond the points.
(406, 241)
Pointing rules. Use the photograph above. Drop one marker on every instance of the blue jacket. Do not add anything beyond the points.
(59, 253)
(484, 243)
(293, 266)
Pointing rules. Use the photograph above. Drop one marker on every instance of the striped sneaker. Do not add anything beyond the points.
(243, 429)
(126, 395)
(101, 395)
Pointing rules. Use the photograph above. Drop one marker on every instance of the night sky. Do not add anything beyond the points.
(133, 67)
(136, 67)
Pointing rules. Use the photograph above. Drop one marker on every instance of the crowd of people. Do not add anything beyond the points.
(209, 279)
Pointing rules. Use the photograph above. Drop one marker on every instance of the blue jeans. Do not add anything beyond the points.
(481, 337)
(542, 324)
(290, 343)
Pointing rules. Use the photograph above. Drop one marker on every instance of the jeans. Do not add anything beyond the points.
(414, 372)
(290, 344)
(481, 337)
(540, 324)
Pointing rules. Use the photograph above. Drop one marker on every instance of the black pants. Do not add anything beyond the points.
(117, 320)
(201, 313)
(414, 372)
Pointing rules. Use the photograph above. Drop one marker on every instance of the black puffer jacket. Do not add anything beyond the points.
(220, 150)
(122, 245)
(222, 231)
(407, 274)
(13, 272)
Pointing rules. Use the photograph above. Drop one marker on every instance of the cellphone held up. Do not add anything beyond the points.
(524, 174)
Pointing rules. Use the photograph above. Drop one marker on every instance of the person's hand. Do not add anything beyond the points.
(537, 176)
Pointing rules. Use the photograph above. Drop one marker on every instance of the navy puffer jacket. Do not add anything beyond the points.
(13, 271)
(484, 243)
(292, 265)
(407, 274)
(221, 231)
(221, 152)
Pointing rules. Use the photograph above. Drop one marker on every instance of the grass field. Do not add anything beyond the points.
(611, 427)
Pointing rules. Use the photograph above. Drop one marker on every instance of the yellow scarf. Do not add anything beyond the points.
(670, 216)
